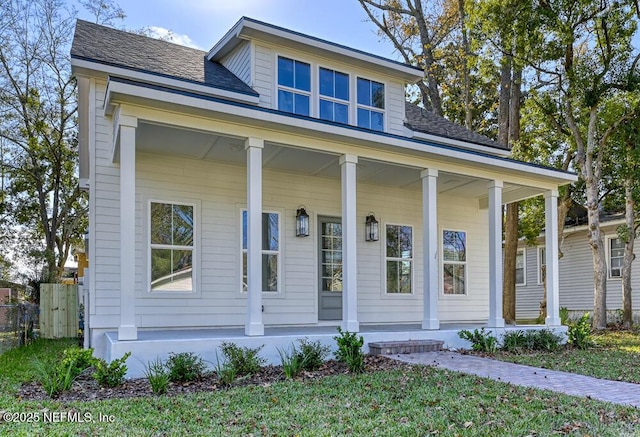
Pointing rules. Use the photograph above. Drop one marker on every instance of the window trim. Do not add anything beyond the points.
(524, 267)
(539, 250)
(442, 263)
(370, 108)
(608, 241)
(196, 290)
(386, 293)
(279, 253)
(312, 80)
(334, 99)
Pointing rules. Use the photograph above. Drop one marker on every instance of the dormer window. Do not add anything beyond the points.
(294, 86)
(370, 104)
(334, 95)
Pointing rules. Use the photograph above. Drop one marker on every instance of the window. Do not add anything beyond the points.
(616, 255)
(334, 96)
(370, 104)
(521, 267)
(542, 265)
(172, 236)
(294, 86)
(454, 261)
(270, 250)
(399, 259)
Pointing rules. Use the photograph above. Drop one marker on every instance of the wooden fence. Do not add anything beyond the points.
(58, 310)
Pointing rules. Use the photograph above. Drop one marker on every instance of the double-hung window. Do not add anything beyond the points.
(370, 104)
(294, 86)
(334, 95)
(521, 267)
(399, 259)
(542, 265)
(270, 251)
(454, 261)
(616, 255)
(172, 246)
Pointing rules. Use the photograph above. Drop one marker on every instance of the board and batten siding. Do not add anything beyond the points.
(265, 78)
(239, 62)
(576, 279)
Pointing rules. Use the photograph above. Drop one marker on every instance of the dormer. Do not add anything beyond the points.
(311, 77)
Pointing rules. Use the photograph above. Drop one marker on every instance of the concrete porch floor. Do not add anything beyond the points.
(205, 342)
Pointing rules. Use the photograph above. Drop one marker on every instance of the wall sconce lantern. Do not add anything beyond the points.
(371, 228)
(302, 222)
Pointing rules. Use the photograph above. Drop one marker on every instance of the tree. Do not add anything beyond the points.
(38, 128)
(587, 62)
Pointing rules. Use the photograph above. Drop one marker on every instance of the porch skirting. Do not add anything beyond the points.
(206, 342)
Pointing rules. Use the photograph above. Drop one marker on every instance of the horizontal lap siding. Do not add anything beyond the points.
(239, 62)
(220, 191)
(576, 279)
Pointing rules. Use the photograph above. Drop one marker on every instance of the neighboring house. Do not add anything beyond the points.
(204, 167)
(576, 270)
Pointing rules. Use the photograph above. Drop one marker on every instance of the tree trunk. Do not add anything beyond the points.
(466, 49)
(627, 311)
(509, 265)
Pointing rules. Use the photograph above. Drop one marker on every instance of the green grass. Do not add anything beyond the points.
(419, 401)
(615, 357)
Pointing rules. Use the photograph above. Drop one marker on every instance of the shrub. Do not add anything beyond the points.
(112, 374)
(55, 378)
(350, 350)
(544, 340)
(292, 362)
(156, 373)
(579, 333)
(481, 341)
(514, 341)
(244, 360)
(312, 354)
(564, 316)
(79, 359)
(225, 371)
(184, 367)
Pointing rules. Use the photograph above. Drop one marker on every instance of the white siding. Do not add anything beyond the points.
(264, 76)
(220, 191)
(239, 62)
(576, 280)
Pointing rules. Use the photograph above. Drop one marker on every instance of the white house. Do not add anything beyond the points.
(201, 165)
(576, 271)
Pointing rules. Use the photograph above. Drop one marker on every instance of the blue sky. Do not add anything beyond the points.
(202, 23)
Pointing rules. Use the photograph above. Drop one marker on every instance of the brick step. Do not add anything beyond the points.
(404, 347)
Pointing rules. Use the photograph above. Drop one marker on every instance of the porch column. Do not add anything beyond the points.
(551, 257)
(254, 325)
(349, 244)
(430, 247)
(127, 329)
(495, 255)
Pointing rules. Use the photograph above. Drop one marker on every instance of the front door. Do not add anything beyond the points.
(330, 268)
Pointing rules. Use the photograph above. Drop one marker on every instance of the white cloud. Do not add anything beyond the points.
(168, 35)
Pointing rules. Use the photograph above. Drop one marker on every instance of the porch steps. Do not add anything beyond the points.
(404, 347)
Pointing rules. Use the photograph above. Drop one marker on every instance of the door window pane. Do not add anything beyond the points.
(454, 257)
(399, 254)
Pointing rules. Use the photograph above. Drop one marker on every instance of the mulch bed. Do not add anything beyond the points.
(85, 388)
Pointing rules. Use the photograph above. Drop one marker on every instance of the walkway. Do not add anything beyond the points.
(624, 393)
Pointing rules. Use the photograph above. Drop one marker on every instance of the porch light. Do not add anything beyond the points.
(371, 228)
(302, 222)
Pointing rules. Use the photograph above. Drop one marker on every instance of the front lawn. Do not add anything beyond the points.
(406, 401)
(615, 357)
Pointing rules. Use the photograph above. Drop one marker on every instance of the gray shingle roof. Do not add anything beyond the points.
(421, 120)
(116, 47)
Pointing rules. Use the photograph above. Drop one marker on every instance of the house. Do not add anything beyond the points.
(230, 192)
(576, 269)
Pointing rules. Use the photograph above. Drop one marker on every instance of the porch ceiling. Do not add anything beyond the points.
(176, 141)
